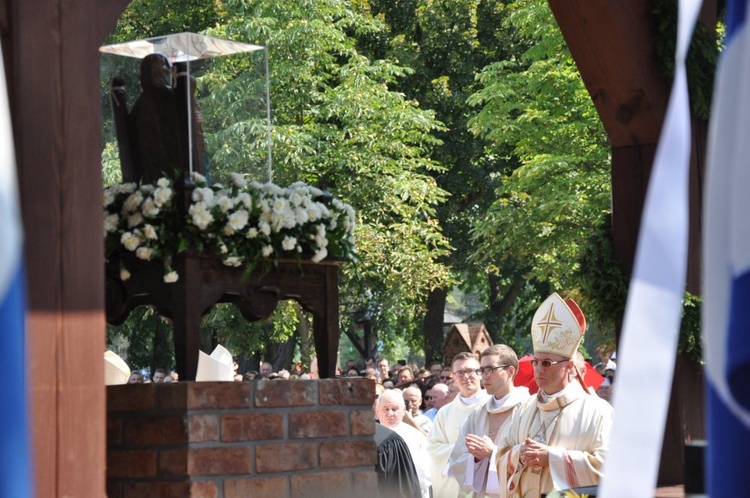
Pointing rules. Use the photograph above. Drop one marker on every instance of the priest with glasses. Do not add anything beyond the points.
(559, 438)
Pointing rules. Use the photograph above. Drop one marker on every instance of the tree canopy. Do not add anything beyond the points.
(336, 123)
(460, 131)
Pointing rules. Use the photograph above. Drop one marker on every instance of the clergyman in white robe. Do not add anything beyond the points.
(445, 430)
(576, 427)
(493, 419)
(417, 443)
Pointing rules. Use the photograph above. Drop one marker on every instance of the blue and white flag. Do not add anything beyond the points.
(726, 264)
(15, 461)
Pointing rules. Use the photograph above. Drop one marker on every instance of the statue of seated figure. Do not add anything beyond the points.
(153, 136)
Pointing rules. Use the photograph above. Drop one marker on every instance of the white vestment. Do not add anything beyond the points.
(442, 437)
(480, 477)
(417, 443)
(423, 421)
(575, 425)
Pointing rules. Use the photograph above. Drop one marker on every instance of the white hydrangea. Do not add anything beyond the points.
(300, 214)
(313, 212)
(320, 255)
(280, 205)
(266, 251)
(110, 222)
(149, 208)
(233, 261)
(245, 199)
(132, 202)
(264, 228)
(144, 253)
(198, 178)
(204, 194)
(289, 243)
(321, 241)
(130, 241)
(225, 203)
(252, 233)
(162, 196)
(162, 182)
(134, 220)
(289, 219)
(109, 197)
(265, 206)
(238, 219)
(238, 180)
(150, 232)
(272, 189)
(125, 188)
(171, 277)
(201, 216)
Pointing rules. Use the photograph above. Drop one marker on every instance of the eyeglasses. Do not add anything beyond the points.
(491, 370)
(545, 363)
(468, 373)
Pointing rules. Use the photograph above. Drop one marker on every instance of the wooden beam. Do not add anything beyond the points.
(57, 127)
(612, 44)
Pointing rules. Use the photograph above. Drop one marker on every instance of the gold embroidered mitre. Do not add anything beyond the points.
(558, 327)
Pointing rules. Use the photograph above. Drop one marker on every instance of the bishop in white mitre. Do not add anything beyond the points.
(559, 438)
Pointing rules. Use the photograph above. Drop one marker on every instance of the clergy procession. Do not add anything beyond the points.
(492, 437)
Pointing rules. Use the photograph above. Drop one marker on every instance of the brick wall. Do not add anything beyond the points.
(307, 438)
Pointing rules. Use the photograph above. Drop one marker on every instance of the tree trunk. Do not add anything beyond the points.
(500, 306)
(306, 343)
(162, 353)
(432, 327)
(285, 353)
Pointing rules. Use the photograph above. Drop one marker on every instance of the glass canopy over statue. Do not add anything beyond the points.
(155, 136)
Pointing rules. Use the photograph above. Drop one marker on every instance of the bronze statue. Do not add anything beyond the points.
(153, 136)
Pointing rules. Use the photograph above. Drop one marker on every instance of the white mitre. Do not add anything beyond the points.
(116, 371)
(558, 327)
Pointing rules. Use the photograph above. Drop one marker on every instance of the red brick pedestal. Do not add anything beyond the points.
(311, 438)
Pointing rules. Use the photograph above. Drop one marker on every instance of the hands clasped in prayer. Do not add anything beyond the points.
(534, 454)
(479, 446)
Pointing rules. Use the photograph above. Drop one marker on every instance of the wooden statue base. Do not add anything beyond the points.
(205, 281)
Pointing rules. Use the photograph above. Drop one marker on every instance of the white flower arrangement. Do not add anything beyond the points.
(241, 224)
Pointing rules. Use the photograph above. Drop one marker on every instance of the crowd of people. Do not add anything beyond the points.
(160, 376)
(471, 431)
(472, 428)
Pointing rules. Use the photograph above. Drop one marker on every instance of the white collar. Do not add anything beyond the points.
(472, 399)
